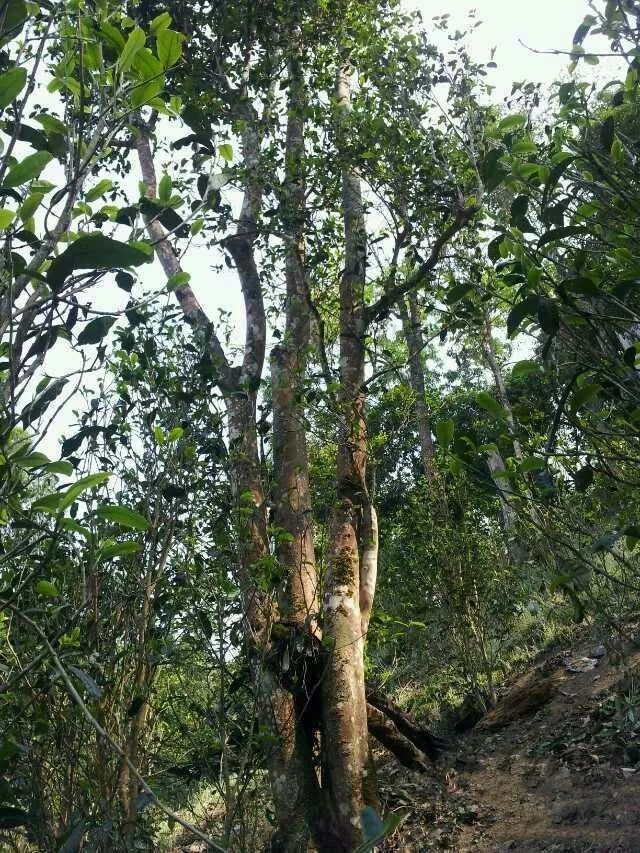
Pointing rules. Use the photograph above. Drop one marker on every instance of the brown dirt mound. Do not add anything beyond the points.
(555, 768)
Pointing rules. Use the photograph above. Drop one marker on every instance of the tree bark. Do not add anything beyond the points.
(297, 784)
(239, 387)
(349, 771)
(410, 315)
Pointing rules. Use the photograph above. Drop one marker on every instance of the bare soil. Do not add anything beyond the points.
(562, 775)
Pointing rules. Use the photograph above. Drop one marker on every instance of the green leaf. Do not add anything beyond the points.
(46, 589)
(12, 82)
(60, 467)
(100, 188)
(133, 44)
(175, 434)
(92, 688)
(178, 279)
(164, 188)
(490, 404)
(561, 234)
(524, 368)
(142, 95)
(47, 503)
(526, 308)
(444, 432)
(34, 410)
(95, 252)
(548, 316)
(51, 124)
(6, 218)
(161, 22)
(169, 47)
(27, 169)
(96, 330)
(91, 481)
(226, 151)
(72, 525)
(109, 549)
(584, 395)
(14, 14)
(512, 122)
(532, 463)
(607, 133)
(30, 205)
(124, 516)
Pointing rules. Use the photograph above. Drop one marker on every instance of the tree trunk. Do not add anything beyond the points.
(410, 315)
(350, 776)
(297, 786)
(239, 387)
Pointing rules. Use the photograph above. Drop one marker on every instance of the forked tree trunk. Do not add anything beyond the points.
(349, 770)
(297, 790)
(239, 388)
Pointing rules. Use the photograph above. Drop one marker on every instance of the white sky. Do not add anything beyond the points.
(544, 25)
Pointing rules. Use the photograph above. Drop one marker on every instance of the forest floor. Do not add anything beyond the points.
(556, 767)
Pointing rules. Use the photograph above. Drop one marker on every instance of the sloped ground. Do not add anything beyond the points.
(557, 775)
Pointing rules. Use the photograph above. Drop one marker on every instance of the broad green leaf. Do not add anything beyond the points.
(532, 463)
(112, 36)
(100, 188)
(124, 516)
(133, 44)
(175, 434)
(27, 169)
(46, 589)
(92, 688)
(164, 188)
(47, 503)
(490, 404)
(14, 15)
(109, 549)
(524, 368)
(6, 218)
(91, 481)
(526, 308)
(72, 525)
(30, 205)
(94, 252)
(561, 234)
(226, 151)
(96, 330)
(512, 123)
(178, 279)
(146, 64)
(160, 22)
(444, 432)
(584, 395)
(145, 93)
(51, 124)
(169, 47)
(60, 467)
(12, 82)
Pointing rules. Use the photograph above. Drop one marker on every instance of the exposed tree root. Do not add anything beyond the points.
(394, 729)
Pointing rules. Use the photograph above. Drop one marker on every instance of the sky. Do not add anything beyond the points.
(512, 27)
(542, 25)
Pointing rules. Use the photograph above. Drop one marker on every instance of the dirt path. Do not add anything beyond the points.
(560, 778)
